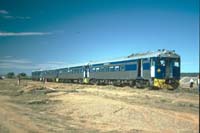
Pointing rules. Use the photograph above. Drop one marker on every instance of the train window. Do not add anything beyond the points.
(97, 69)
(116, 68)
(69, 70)
(111, 68)
(122, 68)
(93, 69)
(176, 64)
(102, 69)
(152, 62)
(162, 62)
(106, 69)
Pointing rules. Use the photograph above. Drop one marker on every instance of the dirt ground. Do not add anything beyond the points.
(34, 107)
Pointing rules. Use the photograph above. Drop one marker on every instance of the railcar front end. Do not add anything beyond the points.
(167, 72)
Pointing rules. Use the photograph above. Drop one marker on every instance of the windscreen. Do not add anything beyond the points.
(170, 67)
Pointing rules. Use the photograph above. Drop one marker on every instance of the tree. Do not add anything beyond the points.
(10, 75)
(22, 75)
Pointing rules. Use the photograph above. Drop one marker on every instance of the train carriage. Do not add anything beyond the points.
(50, 75)
(159, 69)
(71, 74)
(37, 75)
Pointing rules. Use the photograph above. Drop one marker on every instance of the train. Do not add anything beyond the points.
(158, 69)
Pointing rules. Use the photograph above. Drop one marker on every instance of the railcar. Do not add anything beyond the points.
(160, 69)
(50, 75)
(71, 74)
(36, 75)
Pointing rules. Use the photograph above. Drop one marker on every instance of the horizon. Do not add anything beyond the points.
(52, 34)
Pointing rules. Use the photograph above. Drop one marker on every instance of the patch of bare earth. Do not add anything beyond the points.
(59, 107)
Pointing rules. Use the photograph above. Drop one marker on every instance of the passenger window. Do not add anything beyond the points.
(69, 71)
(105, 69)
(122, 68)
(97, 69)
(100, 69)
(111, 68)
(116, 68)
(93, 69)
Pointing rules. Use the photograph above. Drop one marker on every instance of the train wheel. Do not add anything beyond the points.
(142, 83)
(131, 83)
(138, 84)
(93, 81)
(147, 83)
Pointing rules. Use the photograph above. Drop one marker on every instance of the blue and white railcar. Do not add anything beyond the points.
(157, 69)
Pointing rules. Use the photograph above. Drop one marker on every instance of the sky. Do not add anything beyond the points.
(46, 34)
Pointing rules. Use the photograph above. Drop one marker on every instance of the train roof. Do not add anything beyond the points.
(159, 53)
(68, 66)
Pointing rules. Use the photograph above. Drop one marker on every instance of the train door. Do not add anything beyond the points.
(152, 68)
(140, 68)
(169, 68)
(139, 81)
(86, 74)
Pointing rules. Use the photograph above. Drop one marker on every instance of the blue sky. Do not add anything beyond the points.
(42, 34)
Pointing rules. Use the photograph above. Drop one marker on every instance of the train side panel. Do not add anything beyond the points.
(71, 74)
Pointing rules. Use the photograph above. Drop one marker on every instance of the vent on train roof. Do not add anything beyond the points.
(139, 54)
